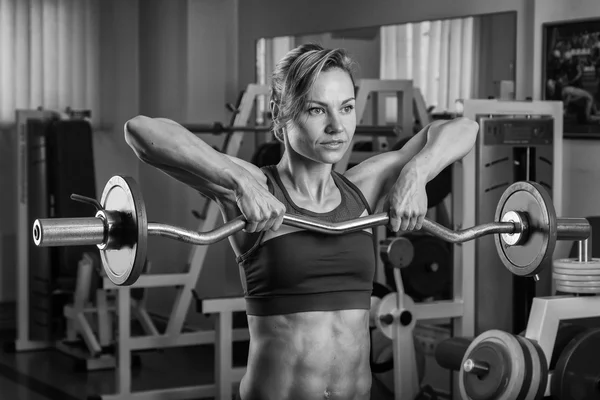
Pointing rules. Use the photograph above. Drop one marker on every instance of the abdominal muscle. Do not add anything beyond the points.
(308, 356)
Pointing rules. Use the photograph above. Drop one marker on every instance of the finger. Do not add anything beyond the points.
(278, 218)
(412, 223)
(250, 226)
(395, 223)
(405, 222)
(278, 222)
(419, 224)
(260, 226)
(268, 224)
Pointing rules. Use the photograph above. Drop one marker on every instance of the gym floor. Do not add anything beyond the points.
(50, 375)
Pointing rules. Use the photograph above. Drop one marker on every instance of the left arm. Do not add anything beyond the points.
(407, 199)
(445, 144)
(425, 155)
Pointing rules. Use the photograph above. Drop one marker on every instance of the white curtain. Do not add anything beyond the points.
(268, 54)
(436, 55)
(49, 55)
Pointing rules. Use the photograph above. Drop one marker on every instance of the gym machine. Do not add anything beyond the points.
(53, 310)
(517, 141)
(523, 136)
(555, 356)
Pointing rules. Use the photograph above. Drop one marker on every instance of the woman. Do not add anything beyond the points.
(307, 294)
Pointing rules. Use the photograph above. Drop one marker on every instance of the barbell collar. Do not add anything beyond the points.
(573, 228)
(68, 232)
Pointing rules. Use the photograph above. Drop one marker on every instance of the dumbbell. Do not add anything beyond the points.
(496, 365)
(525, 232)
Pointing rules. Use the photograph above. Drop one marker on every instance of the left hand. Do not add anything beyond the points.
(406, 203)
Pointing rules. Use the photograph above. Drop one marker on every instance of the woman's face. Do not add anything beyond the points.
(324, 129)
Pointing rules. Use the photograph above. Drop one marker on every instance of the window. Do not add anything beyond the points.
(436, 55)
(49, 55)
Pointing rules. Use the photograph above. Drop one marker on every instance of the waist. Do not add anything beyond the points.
(306, 355)
(296, 303)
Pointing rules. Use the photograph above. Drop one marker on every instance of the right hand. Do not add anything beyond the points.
(260, 208)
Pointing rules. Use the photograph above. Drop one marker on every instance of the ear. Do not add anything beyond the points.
(274, 109)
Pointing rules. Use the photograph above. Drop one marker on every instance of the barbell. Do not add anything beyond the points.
(217, 128)
(526, 230)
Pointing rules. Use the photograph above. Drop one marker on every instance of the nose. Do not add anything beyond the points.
(334, 125)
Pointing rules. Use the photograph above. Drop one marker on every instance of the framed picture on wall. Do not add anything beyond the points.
(571, 74)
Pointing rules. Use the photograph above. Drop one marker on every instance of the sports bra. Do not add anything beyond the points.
(309, 271)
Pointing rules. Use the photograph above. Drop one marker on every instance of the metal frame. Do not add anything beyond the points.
(406, 385)
(223, 336)
(81, 311)
(548, 312)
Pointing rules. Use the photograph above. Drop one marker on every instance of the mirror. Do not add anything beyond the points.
(448, 60)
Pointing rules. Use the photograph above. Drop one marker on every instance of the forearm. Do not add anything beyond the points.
(445, 144)
(163, 142)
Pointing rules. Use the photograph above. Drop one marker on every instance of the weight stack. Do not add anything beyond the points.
(69, 168)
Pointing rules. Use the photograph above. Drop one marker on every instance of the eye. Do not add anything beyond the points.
(316, 111)
(347, 109)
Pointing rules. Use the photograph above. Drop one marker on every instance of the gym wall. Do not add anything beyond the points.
(581, 191)
(184, 52)
(270, 18)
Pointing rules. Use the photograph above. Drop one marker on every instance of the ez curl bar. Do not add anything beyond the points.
(526, 229)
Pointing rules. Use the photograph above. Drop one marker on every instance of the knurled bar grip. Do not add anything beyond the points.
(89, 231)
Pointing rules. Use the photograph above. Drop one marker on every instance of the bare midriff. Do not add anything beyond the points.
(308, 356)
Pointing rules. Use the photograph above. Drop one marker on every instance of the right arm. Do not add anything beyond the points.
(239, 187)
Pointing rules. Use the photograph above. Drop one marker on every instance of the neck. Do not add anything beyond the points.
(309, 178)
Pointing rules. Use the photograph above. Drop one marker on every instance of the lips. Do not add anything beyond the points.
(333, 142)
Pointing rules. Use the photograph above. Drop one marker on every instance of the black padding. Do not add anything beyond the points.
(70, 158)
(449, 353)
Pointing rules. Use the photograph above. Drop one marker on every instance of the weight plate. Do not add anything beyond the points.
(574, 264)
(507, 367)
(578, 278)
(396, 252)
(530, 257)
(124, 264)
(430, 272)
(537, 373)
(577, 289)
(577, 271)
(566, 332)
(386, 306)
(563, 282)
(577, 373)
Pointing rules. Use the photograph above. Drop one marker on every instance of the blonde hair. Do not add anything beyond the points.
(294, 76)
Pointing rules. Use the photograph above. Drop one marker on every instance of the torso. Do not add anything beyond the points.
(307, 355)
